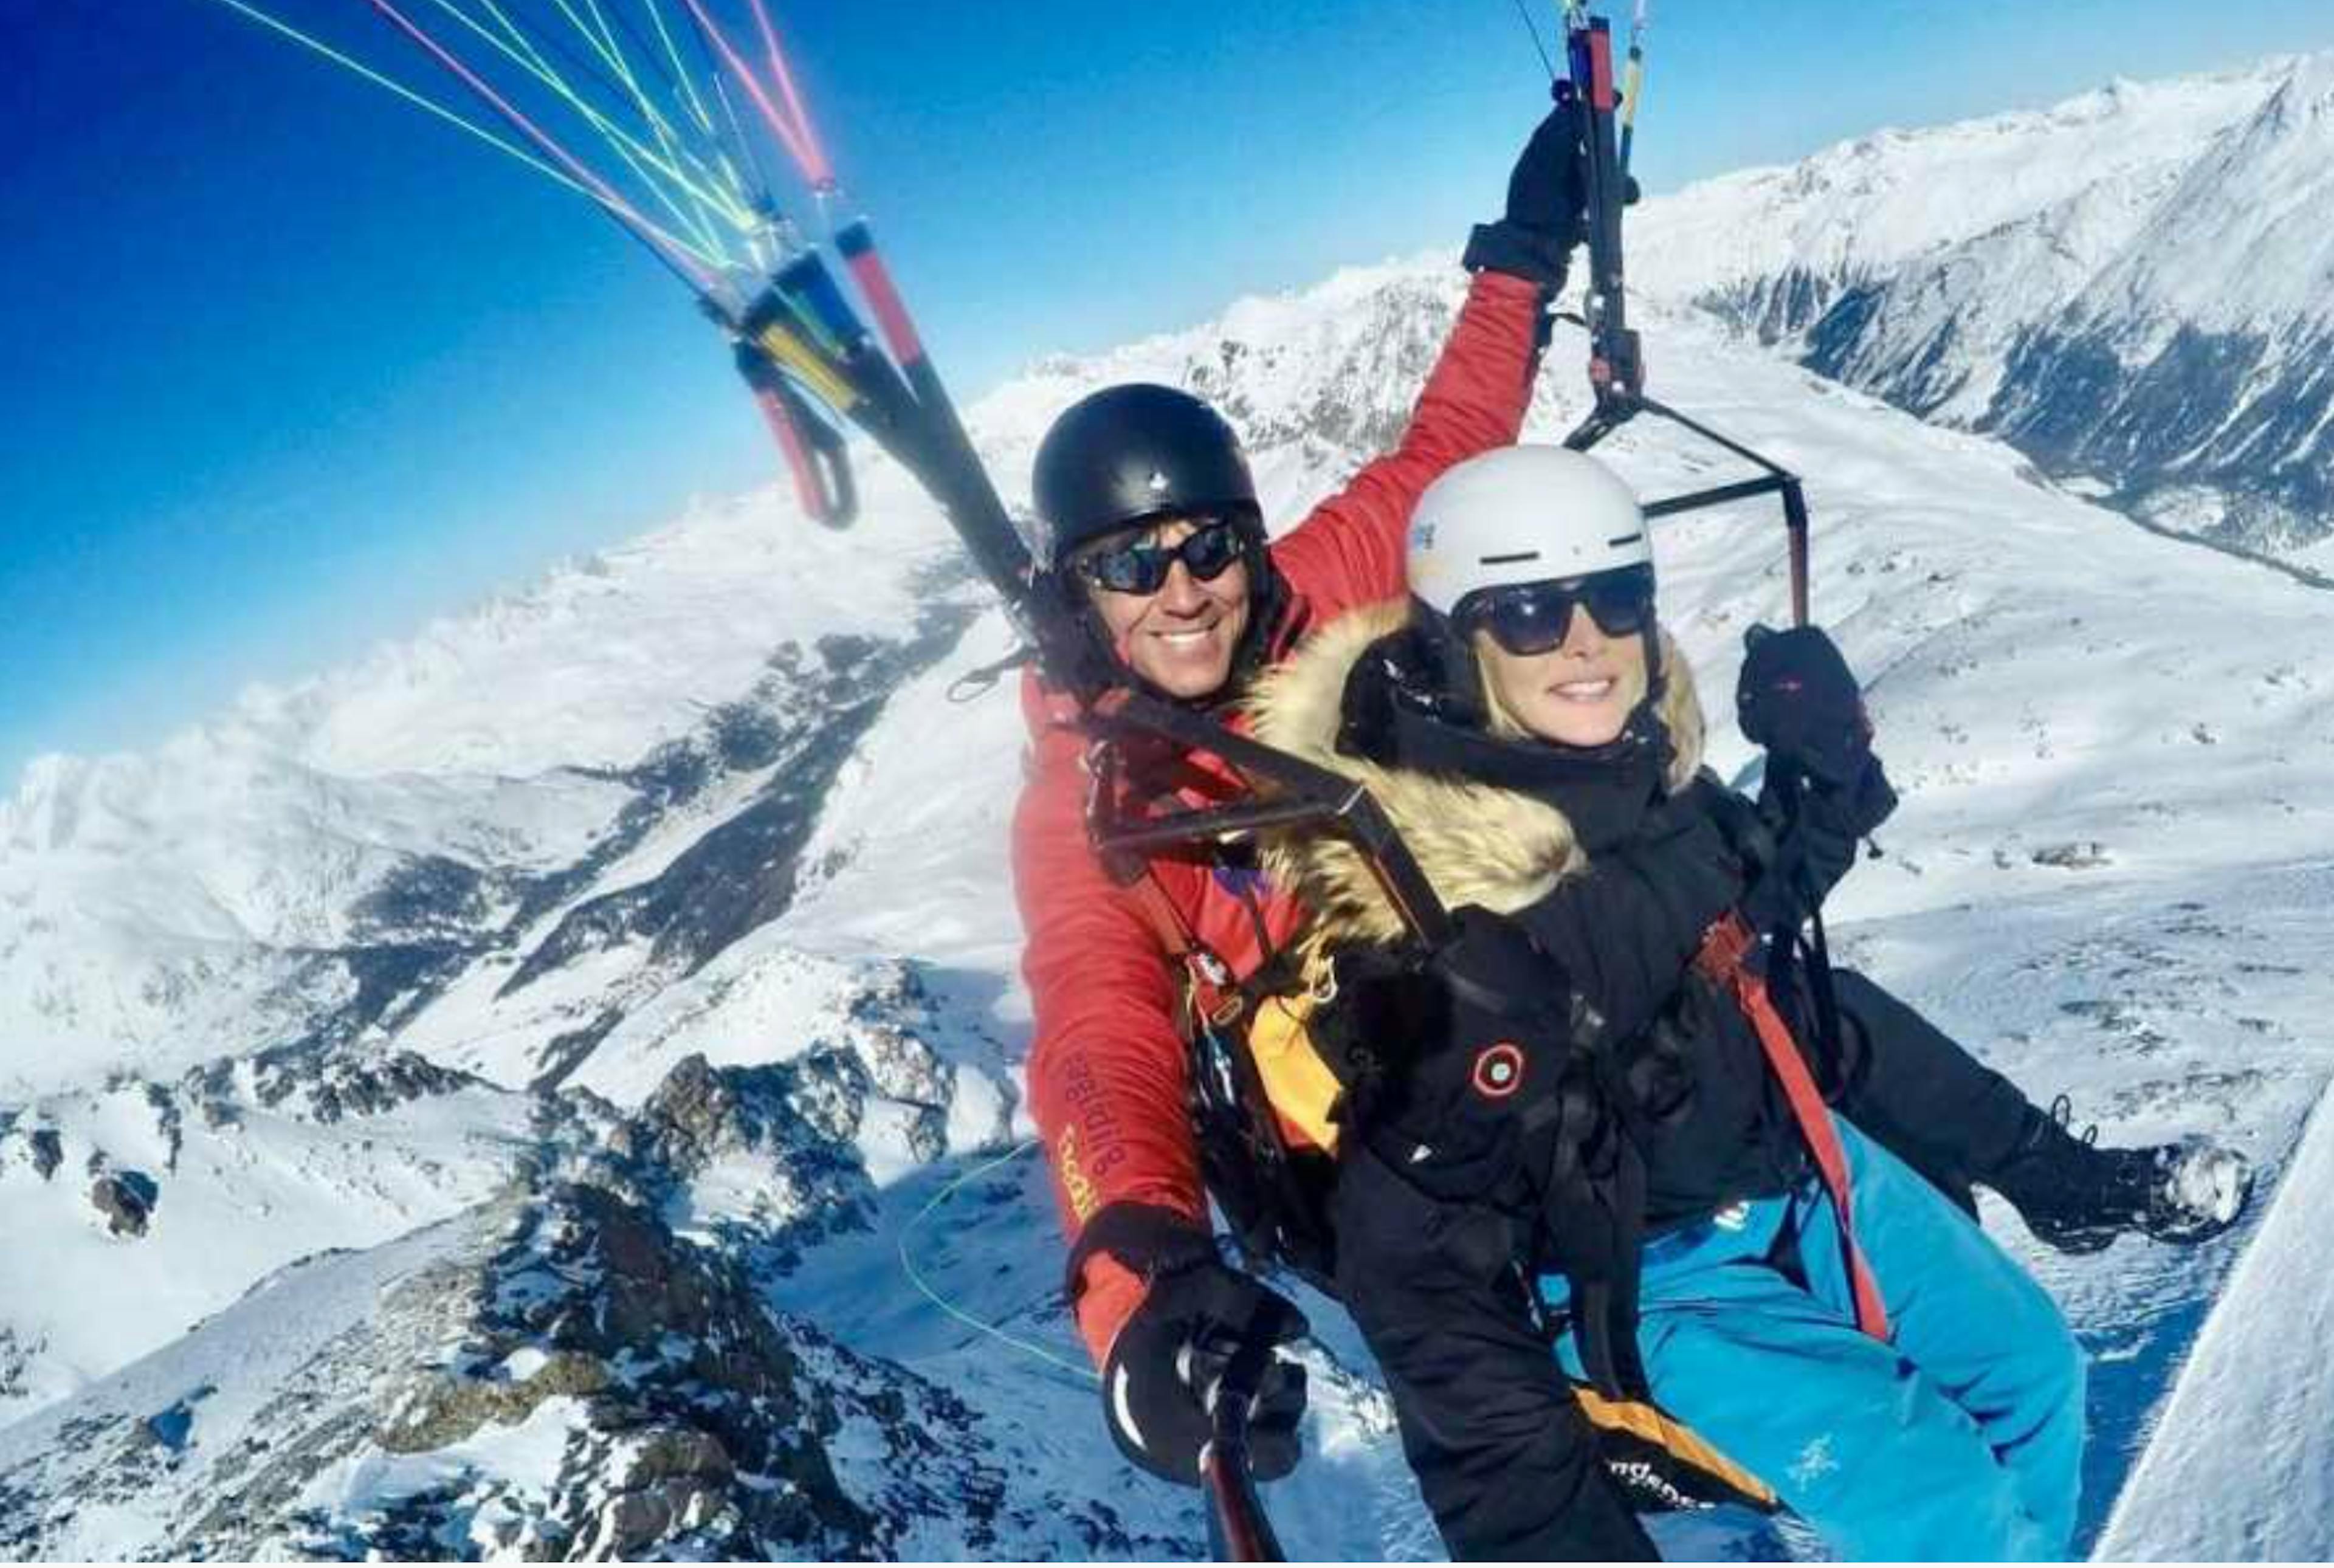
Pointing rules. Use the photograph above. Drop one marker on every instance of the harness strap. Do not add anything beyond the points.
(1723, 959)
(1215, 994)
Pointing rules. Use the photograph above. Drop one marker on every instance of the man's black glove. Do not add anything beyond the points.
(1547, 215)
(1484, 1090)
(1160, 1381)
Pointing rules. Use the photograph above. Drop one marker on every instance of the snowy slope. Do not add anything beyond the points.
(247, 1170)
(732, 948)
(2243, 1427)
(440, 796)
(2131, 287)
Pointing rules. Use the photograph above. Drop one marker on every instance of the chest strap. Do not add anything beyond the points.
(1724, 960)
(1216, 994)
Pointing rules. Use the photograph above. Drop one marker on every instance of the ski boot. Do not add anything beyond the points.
(2079, 1197)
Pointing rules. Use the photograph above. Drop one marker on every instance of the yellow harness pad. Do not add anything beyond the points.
(1297, 1081)
(1662, 1463)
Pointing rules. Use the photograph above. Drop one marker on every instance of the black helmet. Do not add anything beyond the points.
(1127, 454)
(1124, 454)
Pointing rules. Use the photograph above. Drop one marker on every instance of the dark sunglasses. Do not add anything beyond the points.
(1206, 552)
(1532, 618)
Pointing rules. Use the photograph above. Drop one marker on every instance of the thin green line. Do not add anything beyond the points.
(681, 72)
(407, 93)
(400, 91)
(734, 211)
(622, 142)
(1060, 1363)
(542, 71)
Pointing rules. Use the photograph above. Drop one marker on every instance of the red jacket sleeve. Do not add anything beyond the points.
(1107, 1064)
(1349, 550)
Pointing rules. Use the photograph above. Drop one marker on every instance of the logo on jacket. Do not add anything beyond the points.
(1240, 882)
(1498, 1071)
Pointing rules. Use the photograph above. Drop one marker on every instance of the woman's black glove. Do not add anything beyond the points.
(1825, 789)
(1798, 698)
(1160, 1381)
(1547, 215)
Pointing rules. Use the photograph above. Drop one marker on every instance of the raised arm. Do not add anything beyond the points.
(1349, 550)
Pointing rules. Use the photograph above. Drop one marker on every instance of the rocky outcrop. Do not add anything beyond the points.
(126, 1199)
(564, 1377)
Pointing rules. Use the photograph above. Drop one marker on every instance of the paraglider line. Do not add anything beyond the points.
(408, 95)
(820, 173)
(908, 1266)
(1532, 27)
(672, 71)
(737, 204)
(745, 74)
(743, 143)
(680, 256)
(640, 159)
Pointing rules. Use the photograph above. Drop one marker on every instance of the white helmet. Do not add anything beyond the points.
(1522, 515)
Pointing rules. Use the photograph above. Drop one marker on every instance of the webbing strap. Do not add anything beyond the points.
(1213, 994)
(1723, 959)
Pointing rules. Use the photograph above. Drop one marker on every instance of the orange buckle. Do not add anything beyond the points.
(1725, 947)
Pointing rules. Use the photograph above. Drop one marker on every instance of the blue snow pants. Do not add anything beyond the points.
(1960, 1439)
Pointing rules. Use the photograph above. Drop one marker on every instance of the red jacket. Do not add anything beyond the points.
(1106, 1068)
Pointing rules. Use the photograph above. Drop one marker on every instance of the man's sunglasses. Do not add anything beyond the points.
(1142, 568)
(1532, 618)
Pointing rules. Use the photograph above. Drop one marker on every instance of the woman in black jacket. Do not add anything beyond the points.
(1658, 1152)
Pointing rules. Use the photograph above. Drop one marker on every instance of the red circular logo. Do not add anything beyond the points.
(1498, 1071)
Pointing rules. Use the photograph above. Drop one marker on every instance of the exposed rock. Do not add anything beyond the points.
(450, 1410)
(15, 1356)
(127, 1200)
(353, 1082)
(742, 872)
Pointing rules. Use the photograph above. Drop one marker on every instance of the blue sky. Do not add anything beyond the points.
(289, 367)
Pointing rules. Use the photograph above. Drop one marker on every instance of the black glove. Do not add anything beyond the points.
(1159, 1382)
(1485, 1089)
(1798, 698)
(1547, 215)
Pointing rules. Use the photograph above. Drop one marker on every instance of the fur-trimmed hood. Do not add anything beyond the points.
(1478, 844)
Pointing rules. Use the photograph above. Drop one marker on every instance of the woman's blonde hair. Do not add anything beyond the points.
(1675, 702)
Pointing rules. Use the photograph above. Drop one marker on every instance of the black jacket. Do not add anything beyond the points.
(1624, 914)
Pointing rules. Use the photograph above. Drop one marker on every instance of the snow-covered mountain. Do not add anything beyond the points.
(522, 1094)
(2136, 288)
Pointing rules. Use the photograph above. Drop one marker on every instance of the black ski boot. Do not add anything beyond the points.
(2079, 1197)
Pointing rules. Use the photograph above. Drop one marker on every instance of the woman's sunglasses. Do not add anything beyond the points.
(1142, 568)
(1532, 618)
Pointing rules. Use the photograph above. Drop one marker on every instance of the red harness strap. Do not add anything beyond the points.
(1215, 994)
(1723, 960)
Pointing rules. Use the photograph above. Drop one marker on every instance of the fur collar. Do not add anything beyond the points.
(1477, 844)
